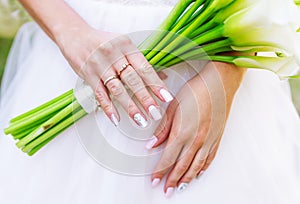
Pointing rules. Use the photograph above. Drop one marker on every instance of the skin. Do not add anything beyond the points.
(97, 55)
(195, 144)
(192, 137)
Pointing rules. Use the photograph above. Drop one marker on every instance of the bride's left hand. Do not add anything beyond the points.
(193, 125)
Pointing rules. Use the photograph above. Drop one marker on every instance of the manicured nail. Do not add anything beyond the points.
(182, 187)
(155, 182)
(166, 95)
(114, 120)
(169, 192)
(155, 112)
(140, 120)
(151, 143)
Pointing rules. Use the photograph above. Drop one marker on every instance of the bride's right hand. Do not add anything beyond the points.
(107, 62)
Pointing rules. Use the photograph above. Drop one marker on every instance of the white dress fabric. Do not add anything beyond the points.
(258, 161)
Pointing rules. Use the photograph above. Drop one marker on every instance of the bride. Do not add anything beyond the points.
(257, 160)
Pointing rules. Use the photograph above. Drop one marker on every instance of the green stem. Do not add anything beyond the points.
(39, 115)
(32, 125)
(198, 12)
(23, 133)
(41, 107)
(210, 49)
(219, 58)
(207, 26)
(203, 17)
(48, 124)
(211, 35)
(171, 35)
(38, 147)
(55, 130)
(167, 24)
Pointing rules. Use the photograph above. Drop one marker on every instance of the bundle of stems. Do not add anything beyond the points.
(194, 30)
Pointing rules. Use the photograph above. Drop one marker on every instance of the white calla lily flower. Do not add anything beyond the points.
(284, 67)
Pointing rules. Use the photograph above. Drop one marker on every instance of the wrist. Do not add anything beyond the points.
(230, 75)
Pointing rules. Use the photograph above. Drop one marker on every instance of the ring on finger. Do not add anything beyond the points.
(109, 79)
(124, 66)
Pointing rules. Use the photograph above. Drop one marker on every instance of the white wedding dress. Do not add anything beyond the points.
(258, 161)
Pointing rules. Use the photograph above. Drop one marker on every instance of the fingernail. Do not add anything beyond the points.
(166, 95)
(155, 112)
(155, 182)
(140, 120)
(114, 120)
(151, 143)
(182, 187)
(200, 174)
(169, 192)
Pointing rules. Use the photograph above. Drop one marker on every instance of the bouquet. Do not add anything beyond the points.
(213, 27)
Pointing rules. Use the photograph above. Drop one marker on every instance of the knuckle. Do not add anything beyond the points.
(183, 167)
(131, 108)
(115, 88)
(166, 163)
(106, 107)
(87, 72)
(106, 49)
(132, 79)
(146, 69)
(100, 95)
(198, 166)
(125, 41)
(188, 177)
(145, 99)
(181, 139)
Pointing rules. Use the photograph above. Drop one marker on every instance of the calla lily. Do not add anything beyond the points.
(284, 67)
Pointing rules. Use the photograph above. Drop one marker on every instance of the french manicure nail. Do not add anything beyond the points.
(166, 95)
(114, 120)
(182, 187)
(155, 182)
(151, 143)
(169, 192)
(155, 112)
(140, 120)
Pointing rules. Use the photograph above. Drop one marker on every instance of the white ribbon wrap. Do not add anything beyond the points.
(86, 97)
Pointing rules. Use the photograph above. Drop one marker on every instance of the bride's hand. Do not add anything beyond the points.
(193, 125)
(107, 61)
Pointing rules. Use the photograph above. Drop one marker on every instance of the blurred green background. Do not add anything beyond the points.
(5, 44)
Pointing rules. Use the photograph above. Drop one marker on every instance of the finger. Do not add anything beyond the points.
(145, 70)
(119, 92)
(106, 104)
(211, 156)
(196, 167)
(169, 157)
(162, 131)
(103, 99)
(187, 156)
(182, 165)
(130, 77)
